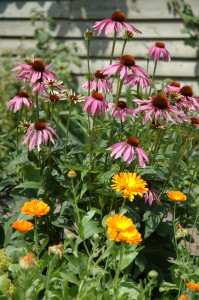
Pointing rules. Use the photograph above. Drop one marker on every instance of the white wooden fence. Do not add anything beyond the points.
(75, 16)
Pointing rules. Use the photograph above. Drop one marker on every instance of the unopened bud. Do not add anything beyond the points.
(88, 35)
(128, 35)
(153, 274)
(95, 237)
(71, 174)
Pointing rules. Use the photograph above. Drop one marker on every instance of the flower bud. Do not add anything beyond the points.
(71, 174)
(88, 35)
(95, 237)
(57, 250)
(153, 274)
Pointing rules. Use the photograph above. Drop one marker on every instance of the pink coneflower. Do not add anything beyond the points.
(142, 81)
(35, 69)
(37, 133)
(157, 50)
(121, 110)
(127, 149)
(126, 66)
(100, 83)
(195, 122)
(158, 107)
(116, 22)
(187, 97)
(18, 101)
(151, 195)
(95, 104)
(172, 87)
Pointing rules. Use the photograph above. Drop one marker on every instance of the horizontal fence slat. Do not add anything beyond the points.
(102, 47)
(76, 29)
(98, 9)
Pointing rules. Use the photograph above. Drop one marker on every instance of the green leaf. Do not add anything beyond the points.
(88, 217)
(128, 259)
(29, 185)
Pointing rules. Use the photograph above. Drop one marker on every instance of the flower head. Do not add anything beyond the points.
(37, 133)
(22, 225)
(132, 80)
(121, 110)
(117, 20)
(121, 229)
(28, 262)
(35, 208)
(95, 104)
(193, 286)
(187, 101)
(73, 97)
(127, 149)
(53, 96)
(176, 196)
(157, 50)
(159, 107)
(57, 250)
(151, 195)
(183, 297)
(100, 83)
(172, 87)
(35, 69)
(125, 66)
(129, 184)
(22, 99)
(195, 122)
(71, 174)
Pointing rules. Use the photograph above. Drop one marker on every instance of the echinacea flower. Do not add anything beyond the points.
(37, 133)
(176, 196)
(28, 261)
(22, 99)
(124, 67)
(132, 80)
(151, 195)
(172, 87)
(195, 122)
(121, 229)
(127, 149)
(129, 184)
(95, 104)
(191, 103)
(100, 83)
(53, 96)
(23, 225)
(120, 110)
(158, 107)
(35, 69)
(159, 50)
(192, 286)
(75, 98)
(35, 208)
(117, 20)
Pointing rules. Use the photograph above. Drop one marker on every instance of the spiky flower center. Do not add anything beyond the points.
(194, 120)
(122, 104)
(186, 91)
(38, 65)
(127, 60)
(97, 96)
(118, 16)
(40, 126)
(54, 97)
(176, 84)
(51, 82)
(160, 101)
(99, 75)
(160, 45)
(133, 142)
(23, 95)
(73, 97)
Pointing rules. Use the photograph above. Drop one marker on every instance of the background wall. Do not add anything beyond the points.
(75, 16)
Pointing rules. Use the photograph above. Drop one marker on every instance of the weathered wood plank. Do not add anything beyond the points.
(102, 47)
(73, 29)
(78, 9)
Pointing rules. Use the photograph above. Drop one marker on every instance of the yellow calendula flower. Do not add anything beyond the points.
(183, 297)
(193, 286)
(176, 196)
(129, 184)
(35, 208)
(23, 225)
(121, 229)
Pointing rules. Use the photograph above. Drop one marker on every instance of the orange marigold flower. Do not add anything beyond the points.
(22, 225)
(183, 297)
(28, 261)
(56, 249)
(35, 208)
(129, 184)
(176, 196)
(193, 286)
(121, 229)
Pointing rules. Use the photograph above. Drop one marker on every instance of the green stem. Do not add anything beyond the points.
(36, 238)
(91, 141)
(155, 66)
(113, 47)
(58, 116)
(123, 47)
(117, 272)
(37, 106)
(67, 126)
